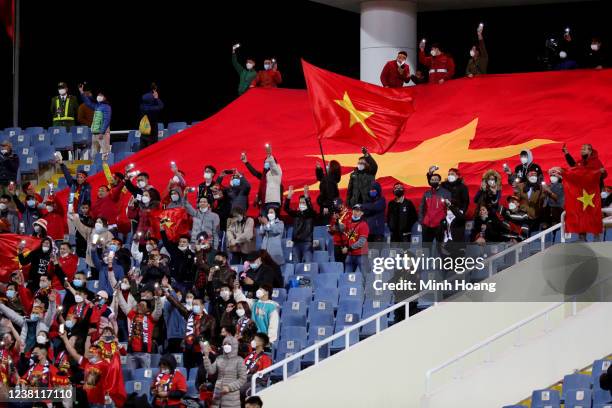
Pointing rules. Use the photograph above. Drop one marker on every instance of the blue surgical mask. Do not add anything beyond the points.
(355, 218)
(35, 317)
(101, 302)
(69, 324)
(10, 293)
(31, 203)
(235, 182)
(267, 166)
(373, 193)
(77, 283)
(113, 247)
(267, 66)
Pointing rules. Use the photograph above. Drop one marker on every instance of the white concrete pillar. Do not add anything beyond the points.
(387, 26)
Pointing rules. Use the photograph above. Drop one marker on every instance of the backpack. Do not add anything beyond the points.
(435, 211)
(145, 126)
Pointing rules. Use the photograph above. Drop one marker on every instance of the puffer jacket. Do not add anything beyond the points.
(241, 235)
(101, 110)
(487, 197)
(360, 182)
(272, 235)
(521, 170)
(374, 211)
(231, 373)
(204, 222)
(9, 164)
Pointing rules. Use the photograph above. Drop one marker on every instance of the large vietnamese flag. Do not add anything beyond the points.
(356, 112)
(582, 200)
(9, 261)
(472, 124)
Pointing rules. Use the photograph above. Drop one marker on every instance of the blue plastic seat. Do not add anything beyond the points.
(127, 374)
(326, 280)
(85, 167)
(193, 373)
(293, 333)
(144, 373)
(119, 157)
(155, 360)
(62, 141)
(331, 267)
(330, 295)
(119, 147)
(354, 291)
(601, 396)
(133, 140)
(545, 398)
(340, 342)
(21, 141)
(306, 268)
(139, 387)
(320, 232)
(33, 130)
(320, 244)
(12, 132)
(320, 256)
(577, 398)
(350, 306)
(370, 309)
(176, 127)
(321, 317)
(350, 279)
(81, 136)
(575, 382)
(294, 313)
(287, 269)
(279, 295)
(42, 138)
(599, 367)
(29, 165)
(56, 130)
(317, 333)
(98, 159)
(302, 294)
(602, 405)
(45, 154)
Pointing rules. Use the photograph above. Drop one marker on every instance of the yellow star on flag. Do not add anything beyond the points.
(357, 116)
(586, 200)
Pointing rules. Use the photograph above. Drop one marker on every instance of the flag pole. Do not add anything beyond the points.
(323, 157)
(16, 41)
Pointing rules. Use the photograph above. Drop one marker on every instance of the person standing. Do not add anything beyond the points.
(100, 126)
(231, 374)
(374, 211)
(85, 113)
(303, 224)
(80, 189)
(433, 210)
(520, 171)
(589, 158)
(328, 188)
(597, 57)
(441, 65)
(270, 77)
(247, 75)
(150, 107)
(358, 191)
(479, 58)
(64, 107)
(396, 72)
(401, 215)
(340, 216)
(240, 235)
(271, 230)
(9, 165)
(356, 232)
(270, 181)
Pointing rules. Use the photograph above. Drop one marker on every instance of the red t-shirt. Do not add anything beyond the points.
(355, 230)
(169, 382)
(95, 380)
(41, 375)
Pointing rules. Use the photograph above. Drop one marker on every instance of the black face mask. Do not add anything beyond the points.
(434, 184)
(399, 192)
(218, 262)
(585, 156)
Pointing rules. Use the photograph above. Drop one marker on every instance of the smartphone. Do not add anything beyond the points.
(129, 167)
(191, 189)
(62, 330)
(60, 308)
(173, 165)
(111, 254)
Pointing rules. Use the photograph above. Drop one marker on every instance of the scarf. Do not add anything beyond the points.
(263, 186)
(194, 323)
(139, 328)
(79, 311)
(44, 381)
(252, 360)
(242, 324)
(448, 235)
(166, 383)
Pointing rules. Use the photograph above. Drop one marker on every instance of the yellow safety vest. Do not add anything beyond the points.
(57, 105)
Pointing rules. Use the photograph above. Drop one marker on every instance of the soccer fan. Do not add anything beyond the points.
(361, 179)
(100, 126)
(433, 209)
(441, 65)
(520, 171)
(270, 77)
(247, 73)
(396, 72)
(479, 58)
(264, 310)
(240, 235)
(374, 212)
(340, 216)
(303, 224)
(269, 193)
(490, 191)
(271, 231)
(401, 215)
(169, 385)
(356, 232)
(328, 188)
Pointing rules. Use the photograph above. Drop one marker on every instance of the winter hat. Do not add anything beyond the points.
(555, 171)
(102, 294)
(42, 223)
(513, 198)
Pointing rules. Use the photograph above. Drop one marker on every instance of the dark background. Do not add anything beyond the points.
(185, 47)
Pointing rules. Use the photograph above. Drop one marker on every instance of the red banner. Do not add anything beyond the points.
(7, 11)
(472, 124)
(176, 222)
(9, 262)
(582, 200)
(114, 381)
(356, 112)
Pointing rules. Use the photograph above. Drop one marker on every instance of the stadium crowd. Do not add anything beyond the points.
(177, 293)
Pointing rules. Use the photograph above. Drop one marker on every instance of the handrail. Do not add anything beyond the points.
(376, 317)
(493, 338)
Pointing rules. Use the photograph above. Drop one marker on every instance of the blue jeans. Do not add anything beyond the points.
(302, 252)
(354, 261)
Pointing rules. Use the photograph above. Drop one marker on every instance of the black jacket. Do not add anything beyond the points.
(9, 164)
(271, 275)
(303, 221)
(360, 183)
(401, 216)
(328, 188)
(460, 195)
(182, 263)
(39, 262)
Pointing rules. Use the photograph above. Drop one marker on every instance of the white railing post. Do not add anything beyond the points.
(285, 375)
(377, 325)
(316, 359)
(347, 342)
(517, 254)
(254, 384)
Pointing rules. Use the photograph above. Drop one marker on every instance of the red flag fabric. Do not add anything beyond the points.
(356, 112)
(582, 200)
(176, 223)
(473, 124)
(114, 381)
(7, 11)
(9, 262)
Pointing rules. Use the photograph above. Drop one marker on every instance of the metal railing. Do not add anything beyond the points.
(346, 332)
(497, 336)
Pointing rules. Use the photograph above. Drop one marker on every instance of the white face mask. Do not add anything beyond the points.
(49, 208)
(45, 249)
(227, 348)
(183, 247)
(492, 183)
(99, 98)
(400, 63)
(146, 199)
(61, 91)
(165, 371)
(512, 206)
(174, 197)
(433, 53)
(78, 298)
(604, 195)
(259, 294)
(225, 294)
(44, 285)
(253, 344)
(249, 65)
(125, 286)
(554, 179)
(149, 247)
(524, 159)
(303, 207)
(271, 216)
(204, 209)
(452, 178)
(595, 47)
(360, 167)
(563, 55)
(533, 179)
(2, 206)
(240, 312)
(141, 184)
(99, 227)
(41, 339)
(207, 175)
(189, 300)
(176, 179)
(472, 53)
(4, 151)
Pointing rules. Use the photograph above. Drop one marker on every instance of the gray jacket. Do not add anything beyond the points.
(207, 222)
(231, 372)
(272, 235)
(12, 218)
(43, 325)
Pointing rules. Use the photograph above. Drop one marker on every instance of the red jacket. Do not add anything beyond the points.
(147, 219)
(108, 207)
(268, 79)
(69, 266)
(355, 230)
(169, 382)
(57, 225)
(440, 67)
(391, 76)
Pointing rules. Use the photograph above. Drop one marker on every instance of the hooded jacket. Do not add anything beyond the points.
(328, 188)
(152, 108)
(231, 372)
(487, 197)
(28, 214)
(9, 164)
(374, 210)
(521, 170)
(591, 162)
(239, 195)
(360, 183)
(101, 110)
(208, 222)
(303, 221)
(459, 193)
